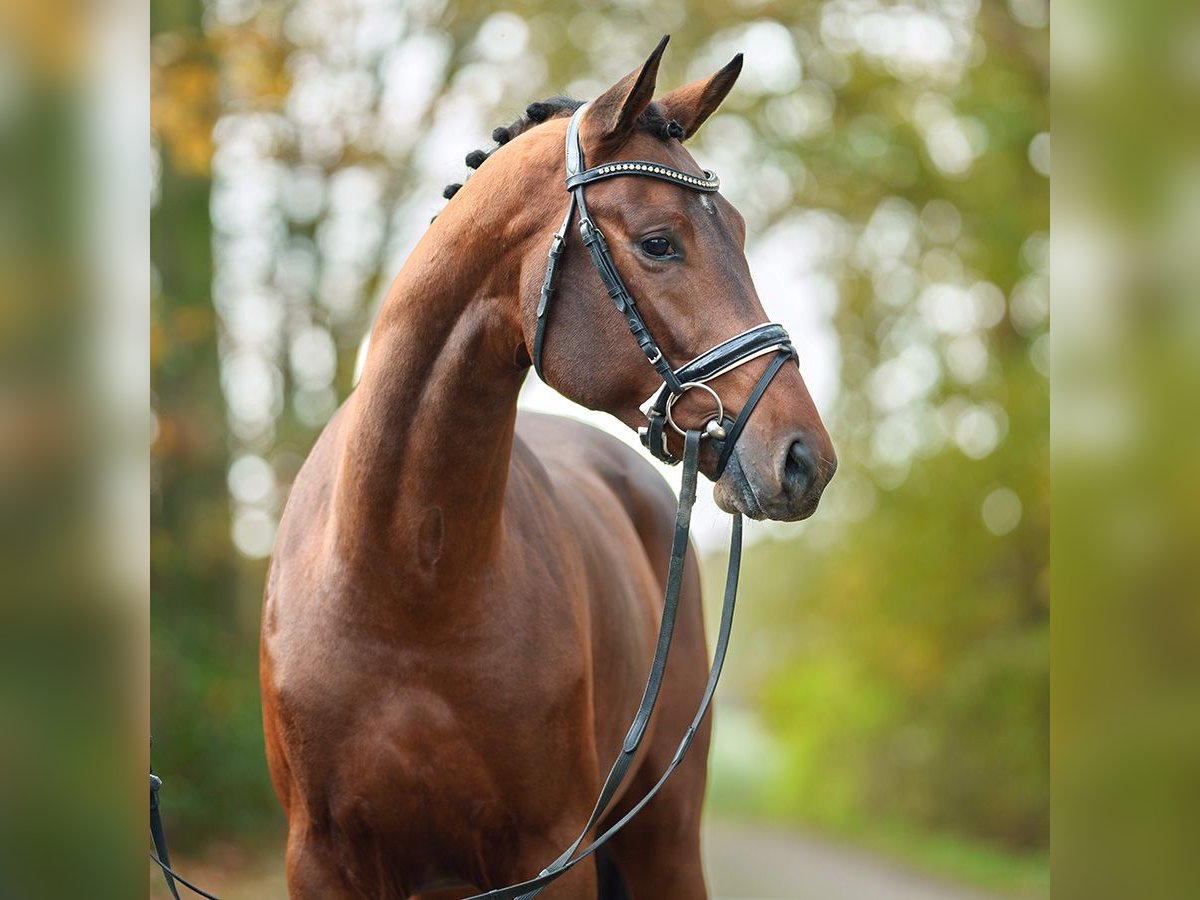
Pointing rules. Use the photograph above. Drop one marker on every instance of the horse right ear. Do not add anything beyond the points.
(610, 118)
(691, 104)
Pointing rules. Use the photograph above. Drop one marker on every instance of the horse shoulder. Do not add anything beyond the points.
(576, 455)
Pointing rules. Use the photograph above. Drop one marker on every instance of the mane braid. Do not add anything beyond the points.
(651, 121)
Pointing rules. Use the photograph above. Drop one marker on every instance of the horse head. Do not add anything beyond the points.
(681, 253)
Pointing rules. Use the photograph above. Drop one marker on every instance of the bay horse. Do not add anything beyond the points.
(462, 598)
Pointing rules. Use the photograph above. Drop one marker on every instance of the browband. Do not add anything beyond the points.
(708, 183)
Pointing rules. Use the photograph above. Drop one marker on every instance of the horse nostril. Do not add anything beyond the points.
(799, 469)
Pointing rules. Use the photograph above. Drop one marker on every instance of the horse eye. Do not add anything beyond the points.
(657, 246)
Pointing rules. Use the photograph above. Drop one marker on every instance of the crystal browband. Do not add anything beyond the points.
(709, 182)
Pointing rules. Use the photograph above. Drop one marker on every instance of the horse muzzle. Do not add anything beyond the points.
(783, 484)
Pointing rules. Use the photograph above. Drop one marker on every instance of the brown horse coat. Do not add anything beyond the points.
(462, 603)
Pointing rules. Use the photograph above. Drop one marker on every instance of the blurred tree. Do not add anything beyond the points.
(901, 641)
(204, 705)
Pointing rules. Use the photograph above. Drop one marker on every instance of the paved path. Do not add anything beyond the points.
(755, 862)
(744, 862)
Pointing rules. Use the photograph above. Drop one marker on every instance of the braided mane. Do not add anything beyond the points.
(652, 121)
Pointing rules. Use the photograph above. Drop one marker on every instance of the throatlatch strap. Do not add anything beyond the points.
(573, 856)
(549, 285)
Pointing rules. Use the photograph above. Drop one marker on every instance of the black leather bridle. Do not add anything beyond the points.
(729, 354)
(759, 341)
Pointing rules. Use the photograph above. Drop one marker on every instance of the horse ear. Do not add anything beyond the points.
(610, 118)
(691, 104)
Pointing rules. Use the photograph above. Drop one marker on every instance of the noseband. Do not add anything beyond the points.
(728, 355)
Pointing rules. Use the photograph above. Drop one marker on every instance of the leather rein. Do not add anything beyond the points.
(729, 354)
(759, 341)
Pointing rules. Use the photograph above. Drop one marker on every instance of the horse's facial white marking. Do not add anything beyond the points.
(708, 205)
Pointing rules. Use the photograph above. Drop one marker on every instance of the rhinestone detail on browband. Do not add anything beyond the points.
(709, 182)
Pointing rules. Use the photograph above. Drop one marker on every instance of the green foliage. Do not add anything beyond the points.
(892, 679)
(204, 695)
(907, 673)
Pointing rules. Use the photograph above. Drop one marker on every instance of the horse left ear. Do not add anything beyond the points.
(691, 104)
(610, 118)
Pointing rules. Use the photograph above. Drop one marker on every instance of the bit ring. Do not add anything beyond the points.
(684, 388)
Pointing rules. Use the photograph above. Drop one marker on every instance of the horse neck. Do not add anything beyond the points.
(429, 430)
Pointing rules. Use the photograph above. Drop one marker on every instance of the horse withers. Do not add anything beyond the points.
(463, 600)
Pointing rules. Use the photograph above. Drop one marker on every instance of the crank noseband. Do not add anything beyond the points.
(728, 355)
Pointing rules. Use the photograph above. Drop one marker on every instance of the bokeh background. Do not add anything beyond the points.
(886, 707)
